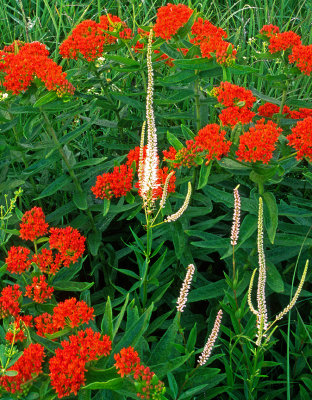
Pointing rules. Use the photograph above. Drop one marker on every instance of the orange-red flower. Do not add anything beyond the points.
(302, 56)
(23, 62)
(114, 184)
(39, 290)
(269, 30)
(28, 367)
(17, 260)
(9, 301)
(301, 139)
(19, 326)
(33, 224)
(170, 18)
(283, 41)
(258, 143)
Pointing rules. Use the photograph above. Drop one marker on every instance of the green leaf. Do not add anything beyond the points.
(47, 98)
(56, 185)
(80, 200)
(275, 281)
(11, 373)
(113, 384)
(202, 64)
(58, 334)
(122, 60)
(120, 316)
(89, 162)
(207, 292)
(94, 242)
(162, 350)
(191, 392)
(270, 215)
(135, 331)
(191, 341)
(107, 320)
(69, 286)
(204, 175)
(174, 141)
(163, 368)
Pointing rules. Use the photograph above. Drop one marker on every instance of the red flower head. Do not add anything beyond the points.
(69, 242)
(9, 304)
(233, 115)
(170, 18)
(23, 62)
(301, 138)
(116, 183)
(232, 95)
(302, 56)
(71, 313)
(283, 41)
(127, 361)
(89, 37)
(258, 143)
(301, 113)
(39, 290)
(28, 367)
(211, 141)
(134, 156)
(46, 262)
(269, 30)
(268, 110)
(19, 326)
(68, 366)
(17, 261)
(33, 224)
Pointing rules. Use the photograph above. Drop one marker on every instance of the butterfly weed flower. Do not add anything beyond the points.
(170, 18)
(17, 260)
(9, 301)
(259, 142)
(33, 224)
(17, 328)
(211, 340)
(39, 290)
(182, 300)
(301, 138)
(302, 56)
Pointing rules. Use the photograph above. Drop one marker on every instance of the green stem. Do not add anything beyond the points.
(197, 102)
(59, 147)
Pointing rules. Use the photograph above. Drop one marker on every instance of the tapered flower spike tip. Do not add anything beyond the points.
(175, 216)
(211, 340)
(296, 295)
(181, 303)
(236, 217)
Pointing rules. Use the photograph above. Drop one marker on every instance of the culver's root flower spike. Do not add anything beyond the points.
(181, 302)
(236, 215)
(175, 216)
(211, 340)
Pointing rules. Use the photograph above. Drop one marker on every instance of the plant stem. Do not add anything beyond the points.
(197, 102)
(72, 174)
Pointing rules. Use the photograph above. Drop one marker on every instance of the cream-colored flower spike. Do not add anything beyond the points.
(148, 181)
(261, 313)
(175, 216)
(211, 340)
(181, 302)
(236, 217)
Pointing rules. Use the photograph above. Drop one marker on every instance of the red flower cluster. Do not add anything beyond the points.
(238, 102)
(211, 141)
(33, 224)
(162, 176)
(258, 143)
(39, 290)
(17, 260)
(210, 40)
(134, 156)
(170, 19)
(9, 304)
(301, 138)
(269, 30)
(19, 325)
(127, 363)
(28, 367)
(302, 56)
(89, 37)
(283, 41)
(46, 262)
(279, 41)
(70, 313)
(22, 63)
(69, 242)
(185, 157)
(116, 183)
(268, 110)
(68, 366)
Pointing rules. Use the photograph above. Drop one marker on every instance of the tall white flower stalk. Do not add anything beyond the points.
(262, 320)
(148, 178)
